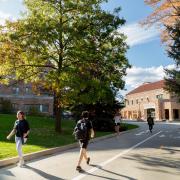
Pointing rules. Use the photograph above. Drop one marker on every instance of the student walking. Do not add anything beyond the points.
(20, 130)
(150, 122)
(83, 132)
(117, 121)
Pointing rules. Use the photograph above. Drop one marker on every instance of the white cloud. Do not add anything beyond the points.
(4, 17)
(136, 34)
(138, 75)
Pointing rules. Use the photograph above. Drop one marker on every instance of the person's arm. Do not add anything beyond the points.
(27, 130)
(92, 132)
(26, 134)
(12, 133)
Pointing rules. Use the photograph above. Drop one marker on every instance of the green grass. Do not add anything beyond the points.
(42, 135)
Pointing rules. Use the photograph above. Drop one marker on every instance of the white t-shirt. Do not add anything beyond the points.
(117, 119)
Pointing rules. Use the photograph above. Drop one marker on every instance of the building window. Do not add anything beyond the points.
(147, 99)
(15, 106)
(175, 114)
(127, 102)
(32, 108)
(137, 101)
(159, 96)
(132, 102)
(15, 90)
(27, 90)
(44, 108)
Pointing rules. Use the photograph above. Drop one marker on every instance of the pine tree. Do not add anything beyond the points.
(173, 76)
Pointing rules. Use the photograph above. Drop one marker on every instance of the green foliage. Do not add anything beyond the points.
(5, 106)
(101, 114)
(72, 48)
(173, 76)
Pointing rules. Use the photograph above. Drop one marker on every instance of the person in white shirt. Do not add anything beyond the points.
(117, 121)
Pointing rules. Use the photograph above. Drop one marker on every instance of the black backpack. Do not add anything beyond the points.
(80, 130)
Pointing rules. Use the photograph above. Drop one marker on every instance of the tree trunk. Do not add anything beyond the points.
(57, 114)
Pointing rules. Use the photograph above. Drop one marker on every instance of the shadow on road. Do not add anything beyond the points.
(6, 173)
(170, 150)
(43, 174)
(110, 172)
(157, 162)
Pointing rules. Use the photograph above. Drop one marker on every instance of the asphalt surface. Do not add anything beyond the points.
(136, 155)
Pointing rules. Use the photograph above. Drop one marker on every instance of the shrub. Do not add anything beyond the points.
(6, 106)
(101, 114)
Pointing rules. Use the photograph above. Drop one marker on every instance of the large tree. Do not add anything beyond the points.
(70, 47)
(103, 62)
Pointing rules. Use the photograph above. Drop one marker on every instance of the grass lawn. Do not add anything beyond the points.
(42, 135)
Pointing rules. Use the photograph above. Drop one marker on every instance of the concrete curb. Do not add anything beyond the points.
(36, 155)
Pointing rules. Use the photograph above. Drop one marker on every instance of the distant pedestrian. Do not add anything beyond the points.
(20, 130)
(83, 132)
(117, 121)
(150, 122)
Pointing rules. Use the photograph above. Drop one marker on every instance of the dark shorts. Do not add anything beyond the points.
(83, 143)
(117, 124)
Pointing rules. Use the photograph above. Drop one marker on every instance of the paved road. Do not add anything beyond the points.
(137, 155)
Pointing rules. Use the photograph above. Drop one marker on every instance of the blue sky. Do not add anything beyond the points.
(146, 54)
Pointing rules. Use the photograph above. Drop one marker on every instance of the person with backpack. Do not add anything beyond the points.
(83, 131)
(20, 130)
(150, 122)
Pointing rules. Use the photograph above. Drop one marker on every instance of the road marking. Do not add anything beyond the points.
(140, 133)
(162, 135)
(113, 158)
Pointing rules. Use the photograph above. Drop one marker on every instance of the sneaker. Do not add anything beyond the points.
(78, 168)
(21, 163)
(88, 160)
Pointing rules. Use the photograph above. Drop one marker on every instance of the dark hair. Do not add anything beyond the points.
(85, 114)
(22, 113)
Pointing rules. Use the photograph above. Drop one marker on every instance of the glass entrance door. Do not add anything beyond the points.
(151, 111)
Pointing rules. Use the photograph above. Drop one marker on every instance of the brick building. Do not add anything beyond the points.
(151, 98)
(23, 98)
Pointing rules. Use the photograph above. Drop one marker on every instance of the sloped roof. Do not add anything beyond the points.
(148, 87)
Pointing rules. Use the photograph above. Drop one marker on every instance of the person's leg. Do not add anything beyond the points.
(81, 154)
(19, 150)
(117, 129)
(150, 127)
